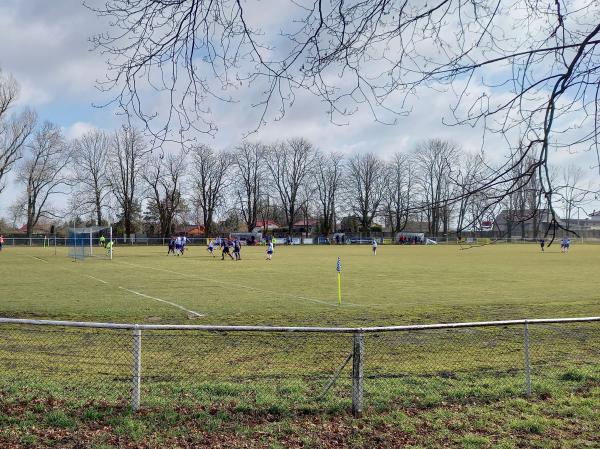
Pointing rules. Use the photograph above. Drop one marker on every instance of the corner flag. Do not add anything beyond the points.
(339, 272)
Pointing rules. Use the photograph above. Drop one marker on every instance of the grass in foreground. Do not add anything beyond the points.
(564, 415)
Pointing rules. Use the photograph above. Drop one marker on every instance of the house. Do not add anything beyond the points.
(305, 226)
(38, 229)
(266, 225)
(191, 230)
(595, 217)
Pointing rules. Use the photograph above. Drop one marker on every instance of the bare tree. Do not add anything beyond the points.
(289, 164)
(249, 162)
(90, 168)
(44, 172)
(434, 159)
(209, 181)
(14, 129)
(574, 194)
(522, 68)
(127, 159)
(366, 179)
(328, 175)
(164, 175)
(471, 173)
(16, 211)
(399, 194)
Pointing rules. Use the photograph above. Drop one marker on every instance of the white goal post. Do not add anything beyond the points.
(94, 241)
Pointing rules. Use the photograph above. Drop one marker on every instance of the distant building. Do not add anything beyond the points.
(524, 223)
(191, 230)
(38, 229)
(305, 226)
(595, 217)
(266, 225)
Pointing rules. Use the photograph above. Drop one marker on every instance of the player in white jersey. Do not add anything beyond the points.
(374, 247)
(178, 245)
(184, 241)
(270, 251)
(211, 248)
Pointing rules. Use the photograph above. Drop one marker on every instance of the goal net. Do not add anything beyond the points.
(94, 241)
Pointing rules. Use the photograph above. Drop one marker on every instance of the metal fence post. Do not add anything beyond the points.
(137, 368)
(357, 374)
(527, 361)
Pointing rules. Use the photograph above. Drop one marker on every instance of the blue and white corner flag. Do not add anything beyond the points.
(339, 265)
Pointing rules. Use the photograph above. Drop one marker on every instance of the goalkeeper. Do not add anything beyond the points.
(102, 241)
(108, 247)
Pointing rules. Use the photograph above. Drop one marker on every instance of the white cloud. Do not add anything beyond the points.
(78, 129)
(45, 46)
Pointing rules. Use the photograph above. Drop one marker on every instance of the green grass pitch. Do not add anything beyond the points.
(401, 285)
(457, 389)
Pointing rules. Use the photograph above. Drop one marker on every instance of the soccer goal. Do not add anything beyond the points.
(94, 241)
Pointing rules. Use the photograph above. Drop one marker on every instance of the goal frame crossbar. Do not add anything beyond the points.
(82, 234)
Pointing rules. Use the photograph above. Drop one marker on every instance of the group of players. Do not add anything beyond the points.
(177, 245)
(565, 243)
(233, 248)
(229, 247)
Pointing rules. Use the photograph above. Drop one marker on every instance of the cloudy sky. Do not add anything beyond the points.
(44, 45)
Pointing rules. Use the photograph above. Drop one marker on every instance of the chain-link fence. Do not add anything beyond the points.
(295, 368)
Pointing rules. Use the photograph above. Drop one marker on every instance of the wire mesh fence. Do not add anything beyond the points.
(295, 368)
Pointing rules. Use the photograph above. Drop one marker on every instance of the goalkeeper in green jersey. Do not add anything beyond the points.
(108, 247)
(103, 241)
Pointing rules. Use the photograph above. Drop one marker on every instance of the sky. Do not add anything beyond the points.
(45, 46)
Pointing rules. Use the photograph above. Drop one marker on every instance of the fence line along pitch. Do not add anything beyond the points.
(303, 329)
(358, 352)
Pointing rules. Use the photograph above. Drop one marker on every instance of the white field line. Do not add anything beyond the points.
(244, 287)
(191, 312)
(95, 278)
(38, 258)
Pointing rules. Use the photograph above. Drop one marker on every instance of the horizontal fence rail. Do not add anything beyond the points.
(266, 366)
(343, 330)
(50, 241)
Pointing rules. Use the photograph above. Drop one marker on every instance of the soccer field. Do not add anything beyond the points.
(401, 285)
(434, 388)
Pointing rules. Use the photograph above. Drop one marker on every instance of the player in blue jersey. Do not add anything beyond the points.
(225, 250)
(171, 246)
(237, 247)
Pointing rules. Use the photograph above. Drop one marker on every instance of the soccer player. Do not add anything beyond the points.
(211, 248)
(1, 241)
(103, 241)
(270, 251)
(374, 247)
(183, 243)
(108, 247)
(178, 243)
(237, 247)
(542, 244)
(567, 244)
(171, 246)
(225, 250)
